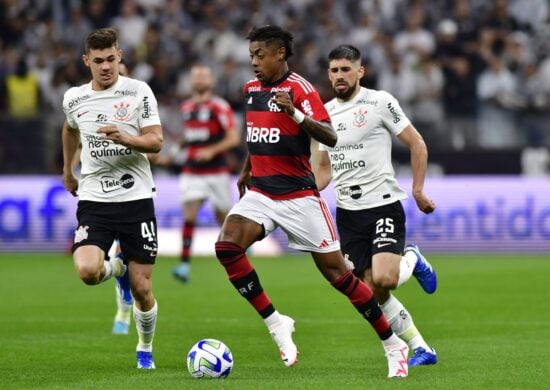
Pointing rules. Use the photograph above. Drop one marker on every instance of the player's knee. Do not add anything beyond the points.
(141, 291)
(88, 274)
(385, 280)
(227, 250)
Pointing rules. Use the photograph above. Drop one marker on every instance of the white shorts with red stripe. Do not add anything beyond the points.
(306, 221)
(214, 187)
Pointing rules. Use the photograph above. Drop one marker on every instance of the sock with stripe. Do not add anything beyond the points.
(187, 239)
(362, 297)
(243, 277)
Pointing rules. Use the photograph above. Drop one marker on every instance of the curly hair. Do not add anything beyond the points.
(272, 35)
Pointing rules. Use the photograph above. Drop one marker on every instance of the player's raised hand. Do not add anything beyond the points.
(425, 204)
(283, 100)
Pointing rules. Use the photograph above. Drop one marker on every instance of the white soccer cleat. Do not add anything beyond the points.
(282, 335)
(397, 360)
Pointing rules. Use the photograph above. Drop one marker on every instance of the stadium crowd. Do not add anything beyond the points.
(471, 74)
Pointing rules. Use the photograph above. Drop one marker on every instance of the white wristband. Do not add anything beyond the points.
(298, 116)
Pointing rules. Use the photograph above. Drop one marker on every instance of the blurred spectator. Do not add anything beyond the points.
(415, 41)
(22, 92)
(131, 25)
(530, 13)
(535, 106)
(426, 108)
(496, 90)
(398, 80)
(231, 79)
(535, 161)
(459, 98)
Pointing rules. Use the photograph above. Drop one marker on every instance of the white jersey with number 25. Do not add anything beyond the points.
(361, 164)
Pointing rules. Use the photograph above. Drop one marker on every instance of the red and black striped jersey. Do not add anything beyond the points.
(279, 150)
(205, 124)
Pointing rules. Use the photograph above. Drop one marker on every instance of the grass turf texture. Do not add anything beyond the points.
(488, 322)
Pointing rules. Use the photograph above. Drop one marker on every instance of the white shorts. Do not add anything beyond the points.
(212, 187)
(306, 221)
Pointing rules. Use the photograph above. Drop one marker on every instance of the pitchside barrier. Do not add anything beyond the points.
(496, 214)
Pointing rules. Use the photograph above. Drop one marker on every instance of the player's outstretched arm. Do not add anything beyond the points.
(419, 162)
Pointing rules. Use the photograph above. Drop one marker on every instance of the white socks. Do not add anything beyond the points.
(406, 267)
(108, 271)
(273, 320)
(145, 325)
(402, 324)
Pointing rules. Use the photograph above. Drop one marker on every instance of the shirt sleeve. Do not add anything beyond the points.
(70, 118)
(311, 105)
(148, 108)
(392, 115)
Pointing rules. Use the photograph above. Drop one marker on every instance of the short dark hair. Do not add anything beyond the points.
(272, 34)
(103, 38)
(347, 52)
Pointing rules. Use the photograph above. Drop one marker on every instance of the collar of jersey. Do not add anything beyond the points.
(276, 82)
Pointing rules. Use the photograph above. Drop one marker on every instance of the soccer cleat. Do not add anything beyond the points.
(145, 360)
(181, 272)
(421, 357)
(121, 327)
(397, 360)
(423, 271)
(282, 335)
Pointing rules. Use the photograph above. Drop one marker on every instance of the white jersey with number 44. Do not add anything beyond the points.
(111, 172)
(361, 164)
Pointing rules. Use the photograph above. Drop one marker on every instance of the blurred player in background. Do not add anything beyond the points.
(208, 133)
(283, 113)
(115, 119)
(369, 214)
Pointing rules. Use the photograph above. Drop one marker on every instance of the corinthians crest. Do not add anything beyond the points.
(360, 117)
(122, 113)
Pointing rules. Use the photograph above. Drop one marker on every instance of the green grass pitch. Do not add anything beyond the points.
(489, 322)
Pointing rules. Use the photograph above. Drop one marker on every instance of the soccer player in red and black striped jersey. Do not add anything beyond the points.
(277, 188)
(209, 132)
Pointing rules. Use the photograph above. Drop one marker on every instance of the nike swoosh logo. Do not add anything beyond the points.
(382, 245)
(81, 113)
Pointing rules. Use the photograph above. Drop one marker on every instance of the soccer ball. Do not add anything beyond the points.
(209, 358)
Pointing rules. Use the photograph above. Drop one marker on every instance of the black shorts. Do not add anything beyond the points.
(364, 233)
(132, 223)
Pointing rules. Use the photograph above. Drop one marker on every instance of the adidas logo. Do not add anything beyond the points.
(323, 244)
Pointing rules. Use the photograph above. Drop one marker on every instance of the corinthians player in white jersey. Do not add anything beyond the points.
(369, 215)
(116, 121)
